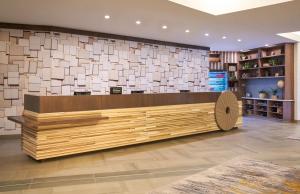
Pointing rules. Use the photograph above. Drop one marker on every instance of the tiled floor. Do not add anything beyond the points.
(138, 169)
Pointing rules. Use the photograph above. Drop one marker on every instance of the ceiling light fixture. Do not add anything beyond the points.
(239, 40)
(164, 27)
(187, 30)
(138, 22)
(267, 45)
(217, 7)
(224, 37)
(206, 34)
(107, 17)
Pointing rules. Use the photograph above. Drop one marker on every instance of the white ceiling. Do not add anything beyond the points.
(256, 27)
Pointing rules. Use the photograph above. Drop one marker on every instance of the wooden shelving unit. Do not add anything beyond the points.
(233, 82)
(274, 62)
(268, 108)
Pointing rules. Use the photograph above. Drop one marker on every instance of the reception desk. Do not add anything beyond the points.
(55, 126)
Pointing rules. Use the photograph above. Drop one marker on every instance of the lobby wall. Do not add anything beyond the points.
(52, 63)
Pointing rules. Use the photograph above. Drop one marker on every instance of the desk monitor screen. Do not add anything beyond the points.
(82, 93)
(137, 92)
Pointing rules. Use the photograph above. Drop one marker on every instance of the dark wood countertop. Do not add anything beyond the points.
(48, 104)
(16, 119)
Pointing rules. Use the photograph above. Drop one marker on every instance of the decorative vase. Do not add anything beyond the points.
(274, 97)
(262, 95)
(280, 84)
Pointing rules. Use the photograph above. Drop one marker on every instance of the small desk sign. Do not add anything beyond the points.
(115, 90)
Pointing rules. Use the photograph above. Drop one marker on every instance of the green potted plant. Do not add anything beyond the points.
(273, 62)
(263, 94)
(274, 92)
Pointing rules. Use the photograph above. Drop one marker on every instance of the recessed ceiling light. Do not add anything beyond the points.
(187, 30)
(107, 17)
(239, 40)
(206, 34)
(138, 22)
(267, 45)
(164, 27)
(224, 37)
(217, 7)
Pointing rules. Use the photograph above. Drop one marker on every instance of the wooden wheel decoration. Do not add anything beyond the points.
(226, 111)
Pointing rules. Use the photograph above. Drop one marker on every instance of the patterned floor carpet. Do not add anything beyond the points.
(240, 175)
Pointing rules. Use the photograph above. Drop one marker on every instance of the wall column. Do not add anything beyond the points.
(297, 80)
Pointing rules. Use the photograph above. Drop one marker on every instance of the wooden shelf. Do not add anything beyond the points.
(256, 68)
(276, 113)
(253, 59)
(272, 56)
(262, 105)
(261, 111)
(270, 77)
(267, 99)
(276, 106)
(276, 66)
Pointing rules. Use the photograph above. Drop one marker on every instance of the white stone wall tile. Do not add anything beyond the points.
(4, 36)
(34, 43)
(55, 90)
(113, 75)
(3, 58)
(16, 50)
(56, 83)
(73, 50)
(11, 93)
(54, 44)
(12, 111)
(48, 43)
(84, 39)
(69, 80)
(57, 73)
(3, 46)
(66, 90)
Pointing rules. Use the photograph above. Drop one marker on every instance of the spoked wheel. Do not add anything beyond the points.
(226, 111)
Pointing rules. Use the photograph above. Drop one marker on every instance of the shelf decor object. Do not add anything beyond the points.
(280, 85)
(263, 94)
(54, 126)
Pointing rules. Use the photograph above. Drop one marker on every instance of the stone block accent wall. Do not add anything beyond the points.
(52, 63)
